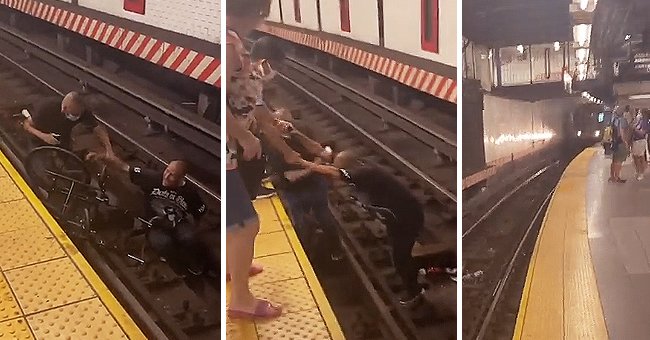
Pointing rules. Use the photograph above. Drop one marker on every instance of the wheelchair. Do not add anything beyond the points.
(64, 183)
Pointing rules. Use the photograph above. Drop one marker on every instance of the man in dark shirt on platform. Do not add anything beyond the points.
(401, 210)
(170, 187)
(53, 119)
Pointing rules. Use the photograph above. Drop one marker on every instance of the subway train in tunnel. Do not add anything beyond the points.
(588, 121)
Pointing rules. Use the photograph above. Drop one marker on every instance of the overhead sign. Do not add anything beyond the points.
(642, 63)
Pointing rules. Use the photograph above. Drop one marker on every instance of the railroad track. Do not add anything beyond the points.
(164, 303)
(497, 249)
(342, 117)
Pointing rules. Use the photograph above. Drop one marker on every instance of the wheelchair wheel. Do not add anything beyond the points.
(46, 164)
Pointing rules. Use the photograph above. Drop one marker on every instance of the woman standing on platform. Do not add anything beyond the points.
(242, 222)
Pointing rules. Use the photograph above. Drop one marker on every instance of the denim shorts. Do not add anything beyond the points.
(239, 208)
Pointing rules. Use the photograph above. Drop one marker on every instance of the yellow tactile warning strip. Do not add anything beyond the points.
(560, 299)
(289, 279)
(47, 289)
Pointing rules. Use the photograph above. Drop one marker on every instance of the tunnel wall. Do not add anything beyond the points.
(513, 126)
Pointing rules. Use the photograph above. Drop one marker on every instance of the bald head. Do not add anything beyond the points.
(174, 174)
(346, 159)
(72, 106)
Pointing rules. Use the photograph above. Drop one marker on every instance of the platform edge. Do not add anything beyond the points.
(522, 312)
(125, 321)
(322, 302)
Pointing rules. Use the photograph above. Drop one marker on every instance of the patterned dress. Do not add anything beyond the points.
(243, 91)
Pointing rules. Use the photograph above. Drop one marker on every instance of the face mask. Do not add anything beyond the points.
(72, 117)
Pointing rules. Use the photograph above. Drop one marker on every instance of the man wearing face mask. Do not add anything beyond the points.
(53, 120)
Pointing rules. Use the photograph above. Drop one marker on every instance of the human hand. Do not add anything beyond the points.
(51, 138)
(284, 126)
(326, 155)
(94, 156)
(252, 146)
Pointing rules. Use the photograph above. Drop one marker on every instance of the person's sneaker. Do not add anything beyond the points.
(265, 192)
(410, 299)
(639, 177)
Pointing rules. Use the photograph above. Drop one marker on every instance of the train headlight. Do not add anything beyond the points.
(597, 133)
(579, 133)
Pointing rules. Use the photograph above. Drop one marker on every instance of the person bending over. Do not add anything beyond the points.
(401, 210)
(306, 191)
(169, 189)
(53, 120)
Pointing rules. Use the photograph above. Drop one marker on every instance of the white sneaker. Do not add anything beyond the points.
(639, 177)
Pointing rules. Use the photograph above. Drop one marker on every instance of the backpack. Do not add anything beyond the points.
(616, 135)
(608, 134)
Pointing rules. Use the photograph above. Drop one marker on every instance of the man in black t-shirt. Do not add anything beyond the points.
(53, 119)
(401, 210)
(169, 189)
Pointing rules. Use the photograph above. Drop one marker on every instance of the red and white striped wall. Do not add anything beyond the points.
(425, 81)
(193, 64)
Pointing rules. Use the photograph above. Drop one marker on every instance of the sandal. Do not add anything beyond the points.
(263, 310)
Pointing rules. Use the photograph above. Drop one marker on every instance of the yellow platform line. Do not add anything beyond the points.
(317, 290)
(250, 330)
(108, 299)
(560, 299)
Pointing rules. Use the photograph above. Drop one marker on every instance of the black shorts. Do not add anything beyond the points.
(252, 173)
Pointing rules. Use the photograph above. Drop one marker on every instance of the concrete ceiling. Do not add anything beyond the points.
(613, 20)
(511, 22)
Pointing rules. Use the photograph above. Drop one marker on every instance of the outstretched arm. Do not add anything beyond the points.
(311, 145)
(102, 134)
(274, 137)
(112, 161)
(327, 170)
(48, 138)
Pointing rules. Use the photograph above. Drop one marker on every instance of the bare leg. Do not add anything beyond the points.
(617, 170)
(239, 258)
(638, 165)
